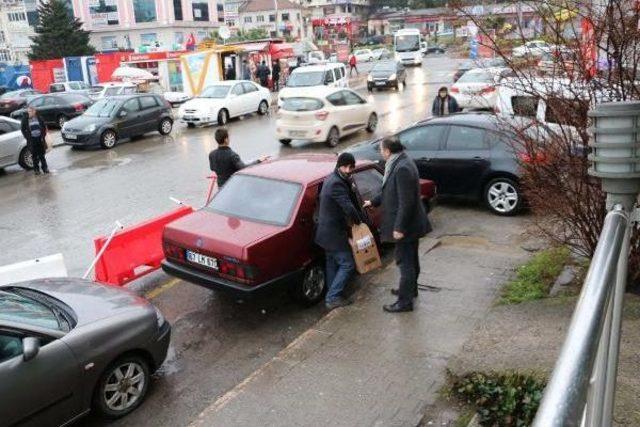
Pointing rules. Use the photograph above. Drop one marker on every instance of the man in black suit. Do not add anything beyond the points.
(338, 210)
(404, 220)
(224, 161)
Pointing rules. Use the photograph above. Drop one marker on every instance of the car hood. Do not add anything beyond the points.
(83, 121)
(202, 104)
(89, 300)
(382, 74)
(216, 233)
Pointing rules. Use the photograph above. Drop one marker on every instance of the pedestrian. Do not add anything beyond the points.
(444, 104)
(276, 75)
(224, 161)
(353, 65)
(230, 73)
(263, 73)
(246, 71)
(35, 132)
(404, 220)
(338, 210)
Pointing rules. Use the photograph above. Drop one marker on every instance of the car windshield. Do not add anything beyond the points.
(301, 104)
(215, 92)
(407, 43)
(21, 305)
(110, 91)
(103, 108)
(476, 77)
(310, 78)
(385, 66)
(257, 199)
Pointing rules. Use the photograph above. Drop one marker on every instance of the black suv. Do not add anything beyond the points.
(468, 155)
(115, 118)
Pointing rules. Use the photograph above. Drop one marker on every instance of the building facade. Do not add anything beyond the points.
(17, 21)
(286, 21)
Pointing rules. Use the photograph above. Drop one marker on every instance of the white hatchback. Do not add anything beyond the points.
(324, 114)
(476, 89)
(220, 102)
(364, 55)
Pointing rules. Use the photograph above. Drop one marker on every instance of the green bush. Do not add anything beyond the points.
(535, 278)
(508, 399)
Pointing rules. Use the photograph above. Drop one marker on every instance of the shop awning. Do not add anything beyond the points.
(281, 51)
(254, 47)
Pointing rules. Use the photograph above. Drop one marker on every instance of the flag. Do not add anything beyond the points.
(191, 42)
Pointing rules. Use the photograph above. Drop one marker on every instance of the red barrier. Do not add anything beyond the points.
(134, 251)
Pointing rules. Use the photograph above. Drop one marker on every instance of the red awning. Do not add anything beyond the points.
(281, 50)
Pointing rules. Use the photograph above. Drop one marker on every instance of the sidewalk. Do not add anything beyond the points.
(360, 366)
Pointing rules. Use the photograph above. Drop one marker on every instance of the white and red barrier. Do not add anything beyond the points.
(39, 268)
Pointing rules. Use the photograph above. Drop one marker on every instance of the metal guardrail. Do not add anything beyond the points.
(582, 387)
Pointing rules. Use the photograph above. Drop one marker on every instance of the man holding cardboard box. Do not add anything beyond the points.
(404, 220)
(338, 211)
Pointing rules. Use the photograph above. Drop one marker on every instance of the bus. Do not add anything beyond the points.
(406, 44)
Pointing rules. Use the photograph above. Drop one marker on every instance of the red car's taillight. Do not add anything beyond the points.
(455, 90)
(172, 251)
(486, 90)
(237, 271)
(322, 115)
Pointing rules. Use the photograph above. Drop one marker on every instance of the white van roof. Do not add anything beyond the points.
(320, 67)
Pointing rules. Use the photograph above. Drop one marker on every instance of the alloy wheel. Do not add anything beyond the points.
(26, 159)
(313, 283)
(61, 121)
(166, 126)
(124, 386)
(223, 117)
(263, 108)
(373, 122)
(502, 197)
(333, 138)
(109, 139)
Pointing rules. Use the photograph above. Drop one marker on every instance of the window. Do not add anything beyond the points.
(59, 87)
(220, 10)
(260, 18)
(422, 138)
(148, 102)
(336, 71)
(328, 77)
(103, 12)
(144, 10)
(200, 10)
(301, 104)
(51, 101)
(285, 16)
(178, 38)
(466, 138)
(16, 16)
(28, 307)
(109, 42)
(74, 85)
(247, 20)
(10, 346)
(148, 39)
(237, 90)
(352, 98)
(526, 106)
(566, 112)
(177, 10)
(257, 199)
(249, 87)
(5, 55)
(131, 105)
(272, 18)
(337, 99)
(369, 183)
(2, 37)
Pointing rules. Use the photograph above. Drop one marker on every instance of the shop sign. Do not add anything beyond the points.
(59, 75)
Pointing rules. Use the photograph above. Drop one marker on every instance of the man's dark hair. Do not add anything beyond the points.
(392, 144)
(222, 135)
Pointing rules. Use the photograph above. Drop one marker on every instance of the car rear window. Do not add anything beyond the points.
(257, 199)
(476, 77)
(301, 104)
(75, 98)
(526, 106)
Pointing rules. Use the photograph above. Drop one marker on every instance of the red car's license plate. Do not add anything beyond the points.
(200, 259)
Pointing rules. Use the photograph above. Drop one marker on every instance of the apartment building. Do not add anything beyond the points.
(286, 21)
(17, 20)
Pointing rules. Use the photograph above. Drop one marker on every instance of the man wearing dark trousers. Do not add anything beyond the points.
(404, 220)
(224, 161)
(338, 210)
(34, 131)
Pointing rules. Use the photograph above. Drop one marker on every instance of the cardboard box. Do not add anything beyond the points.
(365, 251)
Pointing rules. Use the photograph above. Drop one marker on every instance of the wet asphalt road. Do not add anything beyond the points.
(216, 341)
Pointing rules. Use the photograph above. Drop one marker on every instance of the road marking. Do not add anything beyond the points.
(157, 291)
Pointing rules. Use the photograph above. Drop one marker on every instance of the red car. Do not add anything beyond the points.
(257, 232)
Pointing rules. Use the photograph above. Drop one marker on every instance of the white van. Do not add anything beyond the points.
(330, 74)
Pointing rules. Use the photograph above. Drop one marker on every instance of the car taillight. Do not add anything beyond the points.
(78, 107)
(486, 90)
(455, 90)
(322, 115)
(237, 271)
(172, 251)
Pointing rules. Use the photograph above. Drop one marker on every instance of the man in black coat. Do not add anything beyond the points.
(224, 161)
(404, 220)
(338, 210)
(276, 75)
(34, 131)
(263, 73)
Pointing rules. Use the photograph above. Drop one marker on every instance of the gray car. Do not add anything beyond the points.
(13, 146)
(70, 345)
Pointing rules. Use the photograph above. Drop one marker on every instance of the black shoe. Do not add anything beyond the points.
(45, 171)
(396, 292)
(396, 307)
(36, 171)
(339, 302)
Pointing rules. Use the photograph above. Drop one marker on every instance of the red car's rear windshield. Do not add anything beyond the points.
(257, 199)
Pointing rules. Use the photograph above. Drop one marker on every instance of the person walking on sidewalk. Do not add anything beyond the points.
(263, 73)
(224, 161)
(404, 220)
(444, 104)
(34, 131)
(276, 75)
(353, 65)
(338, 209)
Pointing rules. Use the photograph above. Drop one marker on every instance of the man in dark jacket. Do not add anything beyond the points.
(444, 104)
(337, 212)
(230, 73)
(263, 73)
(404, 220)
(224, 161)
(276, 75)
(34, 131)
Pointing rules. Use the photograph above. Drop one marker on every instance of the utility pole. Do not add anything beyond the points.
(275, 5)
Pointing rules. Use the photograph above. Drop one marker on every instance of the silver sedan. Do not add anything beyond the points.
(68, 346)
(13, 146)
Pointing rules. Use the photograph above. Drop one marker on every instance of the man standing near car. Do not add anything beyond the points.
(34, 131)
(263, 73)
(404, 220)
(338, 210)
(224, 161)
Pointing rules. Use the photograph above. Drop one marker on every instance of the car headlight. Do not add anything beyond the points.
(159, 317)
(393, 76)
(88, 128)
(370, 77)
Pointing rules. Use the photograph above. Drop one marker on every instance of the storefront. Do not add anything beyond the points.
(165, 65)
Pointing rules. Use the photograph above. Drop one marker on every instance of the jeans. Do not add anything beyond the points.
(340, 267)
(409, 264)
(38, 150)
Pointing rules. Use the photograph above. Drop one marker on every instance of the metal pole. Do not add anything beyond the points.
(104, 248)
(275, 5)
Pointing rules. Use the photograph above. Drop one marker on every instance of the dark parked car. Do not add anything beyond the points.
(387, 74)
(467, 155)
(478, 63)
(435, 48)
(57, 109)
(15, 100)
(124, 116)
(263, 210)
(68, 346)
